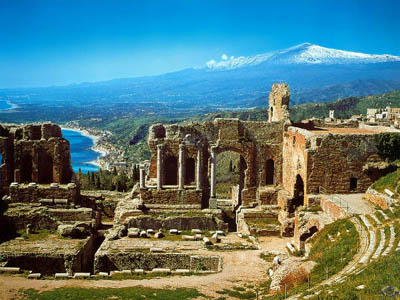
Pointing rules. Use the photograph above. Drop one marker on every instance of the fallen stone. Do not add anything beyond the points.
(360, 287)
(10, 269)
(240, 235)
(139, 271)
(159, 235)
(61, 201)
(188, 237)
(102, 274)
(81, 275)
(62, 276)
(34, 276)
(143, 234)
(150, 231)
(46, 201)
(215, 238)
(133, 232)
(196, 230)
(207, 241)
(156, 250)
(161, 270)
(220, 232)
(126, 272)
(113, 273)
(173, 231)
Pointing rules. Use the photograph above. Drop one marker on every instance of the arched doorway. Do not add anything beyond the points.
(269, 172)
(171, 170)
(190, 171)
(298, 198)
(353, 184)
(45, 168)
(26, 169)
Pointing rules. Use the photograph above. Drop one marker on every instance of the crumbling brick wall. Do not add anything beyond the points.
(34, 153)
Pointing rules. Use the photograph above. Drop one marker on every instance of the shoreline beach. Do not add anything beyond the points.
(95, 147)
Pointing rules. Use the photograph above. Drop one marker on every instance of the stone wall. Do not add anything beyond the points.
(177, 222)
(34, 153)
(328, 160)
(256, 142)
(36, 192)
(171, 196)
(106, 262)
(379, 199)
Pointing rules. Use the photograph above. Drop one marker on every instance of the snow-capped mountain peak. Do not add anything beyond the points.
(305, 53)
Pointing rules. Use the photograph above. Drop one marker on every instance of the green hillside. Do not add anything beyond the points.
(130, 133)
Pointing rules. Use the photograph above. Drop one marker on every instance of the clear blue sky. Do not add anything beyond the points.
(54, 42)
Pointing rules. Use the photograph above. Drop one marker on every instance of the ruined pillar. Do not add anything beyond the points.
(198, 168)
(213, 180)
(181, 168)
(160, 149)
(142, 178)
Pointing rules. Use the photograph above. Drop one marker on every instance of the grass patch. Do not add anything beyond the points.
(261, 222)
(239, 293)
(376, 277)
(390, 182)
(36, 235)
(111, 293)
(331, 257)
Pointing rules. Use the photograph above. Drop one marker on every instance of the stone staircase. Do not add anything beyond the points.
(375, 243)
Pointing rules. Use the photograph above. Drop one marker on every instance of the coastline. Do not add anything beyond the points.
(10, 109)
(95, 147)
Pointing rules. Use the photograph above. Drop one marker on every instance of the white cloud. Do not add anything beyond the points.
(232, 57)
(224, 56)
(210, 63)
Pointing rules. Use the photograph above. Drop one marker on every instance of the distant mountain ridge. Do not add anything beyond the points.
(314, 73)
(305, 53)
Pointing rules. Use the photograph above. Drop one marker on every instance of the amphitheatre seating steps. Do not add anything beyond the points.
(375, 219)
(391, 241)
(381, 244)
(383, 214)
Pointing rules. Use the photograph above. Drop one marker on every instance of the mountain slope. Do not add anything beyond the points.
(314, 74)
(302, 54)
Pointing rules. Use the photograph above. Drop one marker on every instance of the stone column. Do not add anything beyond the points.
(198, 169)
(213, 172)
(142, 178)
(181, 168)
(160, 149)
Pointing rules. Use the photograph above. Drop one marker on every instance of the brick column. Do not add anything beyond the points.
(160, 149)
(142, 179)
(213, 172)
(181, 168)
(198, 169)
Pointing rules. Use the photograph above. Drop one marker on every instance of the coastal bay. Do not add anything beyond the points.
(83, 156)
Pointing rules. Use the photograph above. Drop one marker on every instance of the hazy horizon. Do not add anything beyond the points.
(47, 43)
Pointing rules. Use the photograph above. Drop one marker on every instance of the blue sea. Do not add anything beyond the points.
(4, 105)
(81, 152)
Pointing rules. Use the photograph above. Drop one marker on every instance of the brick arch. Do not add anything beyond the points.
(246, 151)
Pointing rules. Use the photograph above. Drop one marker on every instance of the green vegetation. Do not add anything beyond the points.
(111, 293)
(377, 276)
(389, 145)
(106, 180)
(331, 257)
(238, 293)
(36, 235)
(390, 182)
(345, 108)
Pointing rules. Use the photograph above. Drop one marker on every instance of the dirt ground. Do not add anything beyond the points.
(239, 268)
